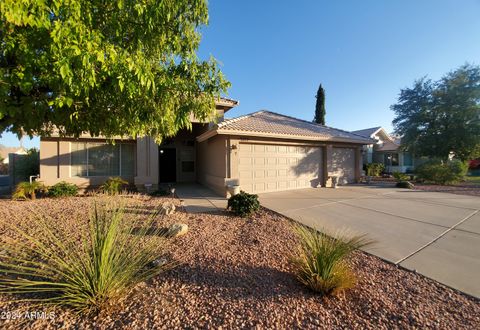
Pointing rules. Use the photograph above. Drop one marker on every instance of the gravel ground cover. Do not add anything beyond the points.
(459, 189)
(235, 273)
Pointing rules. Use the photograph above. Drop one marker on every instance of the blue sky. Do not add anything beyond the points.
(276, 53)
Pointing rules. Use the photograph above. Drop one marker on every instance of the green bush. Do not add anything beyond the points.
(442, 172)
(113, 185)
(404, 184)
(63, 189)
(243, 204)
(159, 193)
(85, 272)
(375, 169)
(321, 261)
(400, 176)
(27, 165)
(27, 190)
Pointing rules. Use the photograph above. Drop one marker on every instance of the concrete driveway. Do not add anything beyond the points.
(436, 234)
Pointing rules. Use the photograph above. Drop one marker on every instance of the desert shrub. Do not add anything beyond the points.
(87, 271)
(62, 189)
(404, 184)
(400, 176)
(113, 185)
(27, 190)
(243, 204)
(375, 169)
(159, 192)
(321, 261)
(442, 172)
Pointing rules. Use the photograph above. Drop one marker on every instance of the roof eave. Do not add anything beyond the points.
(226, 104)
(213, 132)
(207, 135)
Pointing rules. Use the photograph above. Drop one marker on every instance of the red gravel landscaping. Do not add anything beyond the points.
(460, 189)
(235, 273)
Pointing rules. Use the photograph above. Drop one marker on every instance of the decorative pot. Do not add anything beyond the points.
(233, 189)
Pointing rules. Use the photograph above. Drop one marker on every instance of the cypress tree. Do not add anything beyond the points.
(320, 106)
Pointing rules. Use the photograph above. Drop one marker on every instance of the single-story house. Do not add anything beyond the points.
(261, 152)
(6, 151)
(386, 150)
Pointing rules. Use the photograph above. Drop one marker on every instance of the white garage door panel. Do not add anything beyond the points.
(344, 164)
(264, 168)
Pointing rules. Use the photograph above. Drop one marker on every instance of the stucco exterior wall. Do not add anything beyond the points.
(147, 163)
(212, 165)
(55, 161)
(216, 160)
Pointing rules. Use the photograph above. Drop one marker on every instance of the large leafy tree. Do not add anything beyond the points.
(104, 67)
(442, 117)
(320, 106)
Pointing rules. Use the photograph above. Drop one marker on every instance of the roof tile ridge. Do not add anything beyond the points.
(234, 120)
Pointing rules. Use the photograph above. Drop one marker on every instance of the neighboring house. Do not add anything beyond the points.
(5, 151)
(386, 150)
(261, 152)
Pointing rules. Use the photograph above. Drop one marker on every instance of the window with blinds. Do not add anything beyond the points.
(102, 159)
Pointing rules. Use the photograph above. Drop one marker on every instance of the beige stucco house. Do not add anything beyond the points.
(387, 150)
(261, 152)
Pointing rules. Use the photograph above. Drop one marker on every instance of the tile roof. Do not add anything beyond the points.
(367, 132)
(266, 123)
(226, 103)
(388, 146)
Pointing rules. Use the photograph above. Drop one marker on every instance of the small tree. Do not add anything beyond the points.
(442, 117)
(27, 165)
(320, 106)
(108, 68)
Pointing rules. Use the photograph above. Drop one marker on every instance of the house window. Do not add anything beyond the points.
(407, 159)
(101, 159)
(391, 159)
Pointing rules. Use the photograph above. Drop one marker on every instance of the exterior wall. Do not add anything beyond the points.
(327, 166)
(380, 158)
(367, 152)
(216, 160)
(212, 164)
(149, 168)
(147, 164)
(55, 161)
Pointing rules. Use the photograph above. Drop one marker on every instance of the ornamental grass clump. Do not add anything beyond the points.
(28, 190)
(87, 270)
(321, 261)
(113, 186)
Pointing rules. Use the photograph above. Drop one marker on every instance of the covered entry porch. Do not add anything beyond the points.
(173, 161)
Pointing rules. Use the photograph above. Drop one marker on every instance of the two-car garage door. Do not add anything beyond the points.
(268, 167)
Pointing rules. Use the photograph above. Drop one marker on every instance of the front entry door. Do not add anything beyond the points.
(167, 165)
